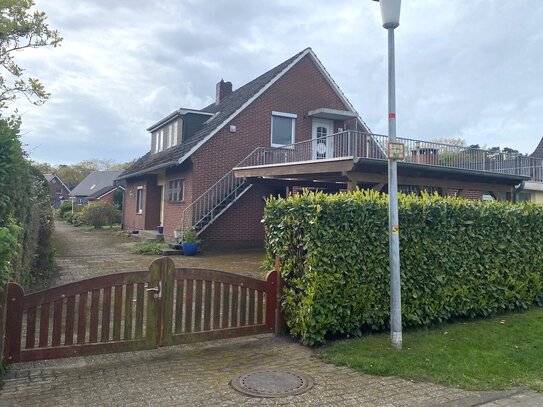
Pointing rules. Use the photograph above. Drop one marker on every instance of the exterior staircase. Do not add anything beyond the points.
(204, 210)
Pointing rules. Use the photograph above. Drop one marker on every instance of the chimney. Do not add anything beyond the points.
(223, 90)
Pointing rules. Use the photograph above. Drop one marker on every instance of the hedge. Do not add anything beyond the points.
(459, 259)
(26, 217)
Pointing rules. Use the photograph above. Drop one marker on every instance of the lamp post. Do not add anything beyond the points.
(390, 12)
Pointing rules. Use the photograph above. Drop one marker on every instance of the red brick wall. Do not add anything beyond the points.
(300, 90)
(108, 197)
(173, 212)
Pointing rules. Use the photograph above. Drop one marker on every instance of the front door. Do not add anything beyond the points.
(323, 145)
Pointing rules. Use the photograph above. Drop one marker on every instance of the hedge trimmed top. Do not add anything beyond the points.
(459, 258)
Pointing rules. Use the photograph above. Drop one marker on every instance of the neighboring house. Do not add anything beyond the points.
(59, 190)
(98, 185)
(292, 127)
(533, 189)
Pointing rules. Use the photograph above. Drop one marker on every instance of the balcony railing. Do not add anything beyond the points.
(374, 146)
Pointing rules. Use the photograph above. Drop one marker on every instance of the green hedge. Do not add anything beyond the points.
(26, 217)
(459, 258)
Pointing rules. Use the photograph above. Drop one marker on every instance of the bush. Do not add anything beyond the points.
(459, 259)
(99, 213)
(149, 248)
(63, 209)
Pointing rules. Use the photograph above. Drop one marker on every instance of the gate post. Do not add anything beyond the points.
(167, 269)
(280, 322)
(3, 298)
(14, 294)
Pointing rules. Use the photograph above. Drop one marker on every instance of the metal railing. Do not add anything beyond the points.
(203, 210)
(374, 146)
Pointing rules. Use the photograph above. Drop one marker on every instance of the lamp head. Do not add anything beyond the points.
(390, 12)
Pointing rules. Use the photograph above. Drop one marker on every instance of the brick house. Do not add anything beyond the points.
(98, 186)
(59, 190)
(211, 169)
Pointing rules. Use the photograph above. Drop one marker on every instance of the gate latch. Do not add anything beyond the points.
(157, 290)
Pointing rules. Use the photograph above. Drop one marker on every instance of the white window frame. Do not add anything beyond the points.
(175, 134)
(139, 202)
(287, 115)
(159, 141)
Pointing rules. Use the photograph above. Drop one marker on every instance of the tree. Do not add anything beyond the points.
(22, 28)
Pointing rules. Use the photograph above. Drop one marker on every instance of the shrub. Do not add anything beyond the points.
(99, 213)
(149, 248)
(63, 208)
(459, 259)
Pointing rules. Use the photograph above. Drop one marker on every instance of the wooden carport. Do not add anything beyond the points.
(350, 172)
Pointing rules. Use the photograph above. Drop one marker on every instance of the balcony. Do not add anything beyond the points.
(352, 156)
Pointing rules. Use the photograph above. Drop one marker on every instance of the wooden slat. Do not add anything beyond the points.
(82, 318)
(198, 306)
(117, 312)
(83, 349)
(243, 307)
(70, 314)
(95, 306)
(217, 305)
(44, 325)
(222, 276)
(129, 295)
(207, 306)
(30, 328)
(271, 299)
(140, 299)
(235, 306)
(251, 307)
(260, 307)
(188, 307)
(106, 314)
(57, 322)
(110, 280)
(225, 305)
(179, 306)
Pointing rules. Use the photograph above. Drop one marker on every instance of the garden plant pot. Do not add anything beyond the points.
(189, 249)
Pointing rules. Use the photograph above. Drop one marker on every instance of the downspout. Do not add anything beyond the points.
(518, 189)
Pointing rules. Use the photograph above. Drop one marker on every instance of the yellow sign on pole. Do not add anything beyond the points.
(396, 151)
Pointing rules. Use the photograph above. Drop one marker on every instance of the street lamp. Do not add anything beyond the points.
(390, 12)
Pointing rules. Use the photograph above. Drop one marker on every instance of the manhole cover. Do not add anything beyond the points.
(272, 383)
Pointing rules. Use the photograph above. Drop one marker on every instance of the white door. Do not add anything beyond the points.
(323, 146)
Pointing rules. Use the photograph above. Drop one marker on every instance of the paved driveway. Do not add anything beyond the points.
(199, 374)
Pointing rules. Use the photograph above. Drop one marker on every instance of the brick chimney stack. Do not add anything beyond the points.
(223, 90)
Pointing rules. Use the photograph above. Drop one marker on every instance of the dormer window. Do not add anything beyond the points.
(159, 141)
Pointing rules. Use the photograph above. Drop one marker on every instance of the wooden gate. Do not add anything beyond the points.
(133, 311)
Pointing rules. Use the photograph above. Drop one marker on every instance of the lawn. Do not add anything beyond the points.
(496, 353)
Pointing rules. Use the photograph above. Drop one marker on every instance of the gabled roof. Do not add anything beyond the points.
(229, 107)
(96, 181)
(50, 177)
(538, 152)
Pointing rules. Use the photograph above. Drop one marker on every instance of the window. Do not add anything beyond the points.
(282, 128)
(170, 136)
(139, 200)
(175, 190)
(159, 141)
(175, 135)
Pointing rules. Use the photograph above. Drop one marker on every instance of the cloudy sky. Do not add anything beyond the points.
(465, 69)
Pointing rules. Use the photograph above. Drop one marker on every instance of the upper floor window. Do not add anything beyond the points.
(159, 141)
(283, 128)
(175, 190)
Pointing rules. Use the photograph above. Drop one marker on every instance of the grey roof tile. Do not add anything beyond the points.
(538, 152)
(95, 181)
